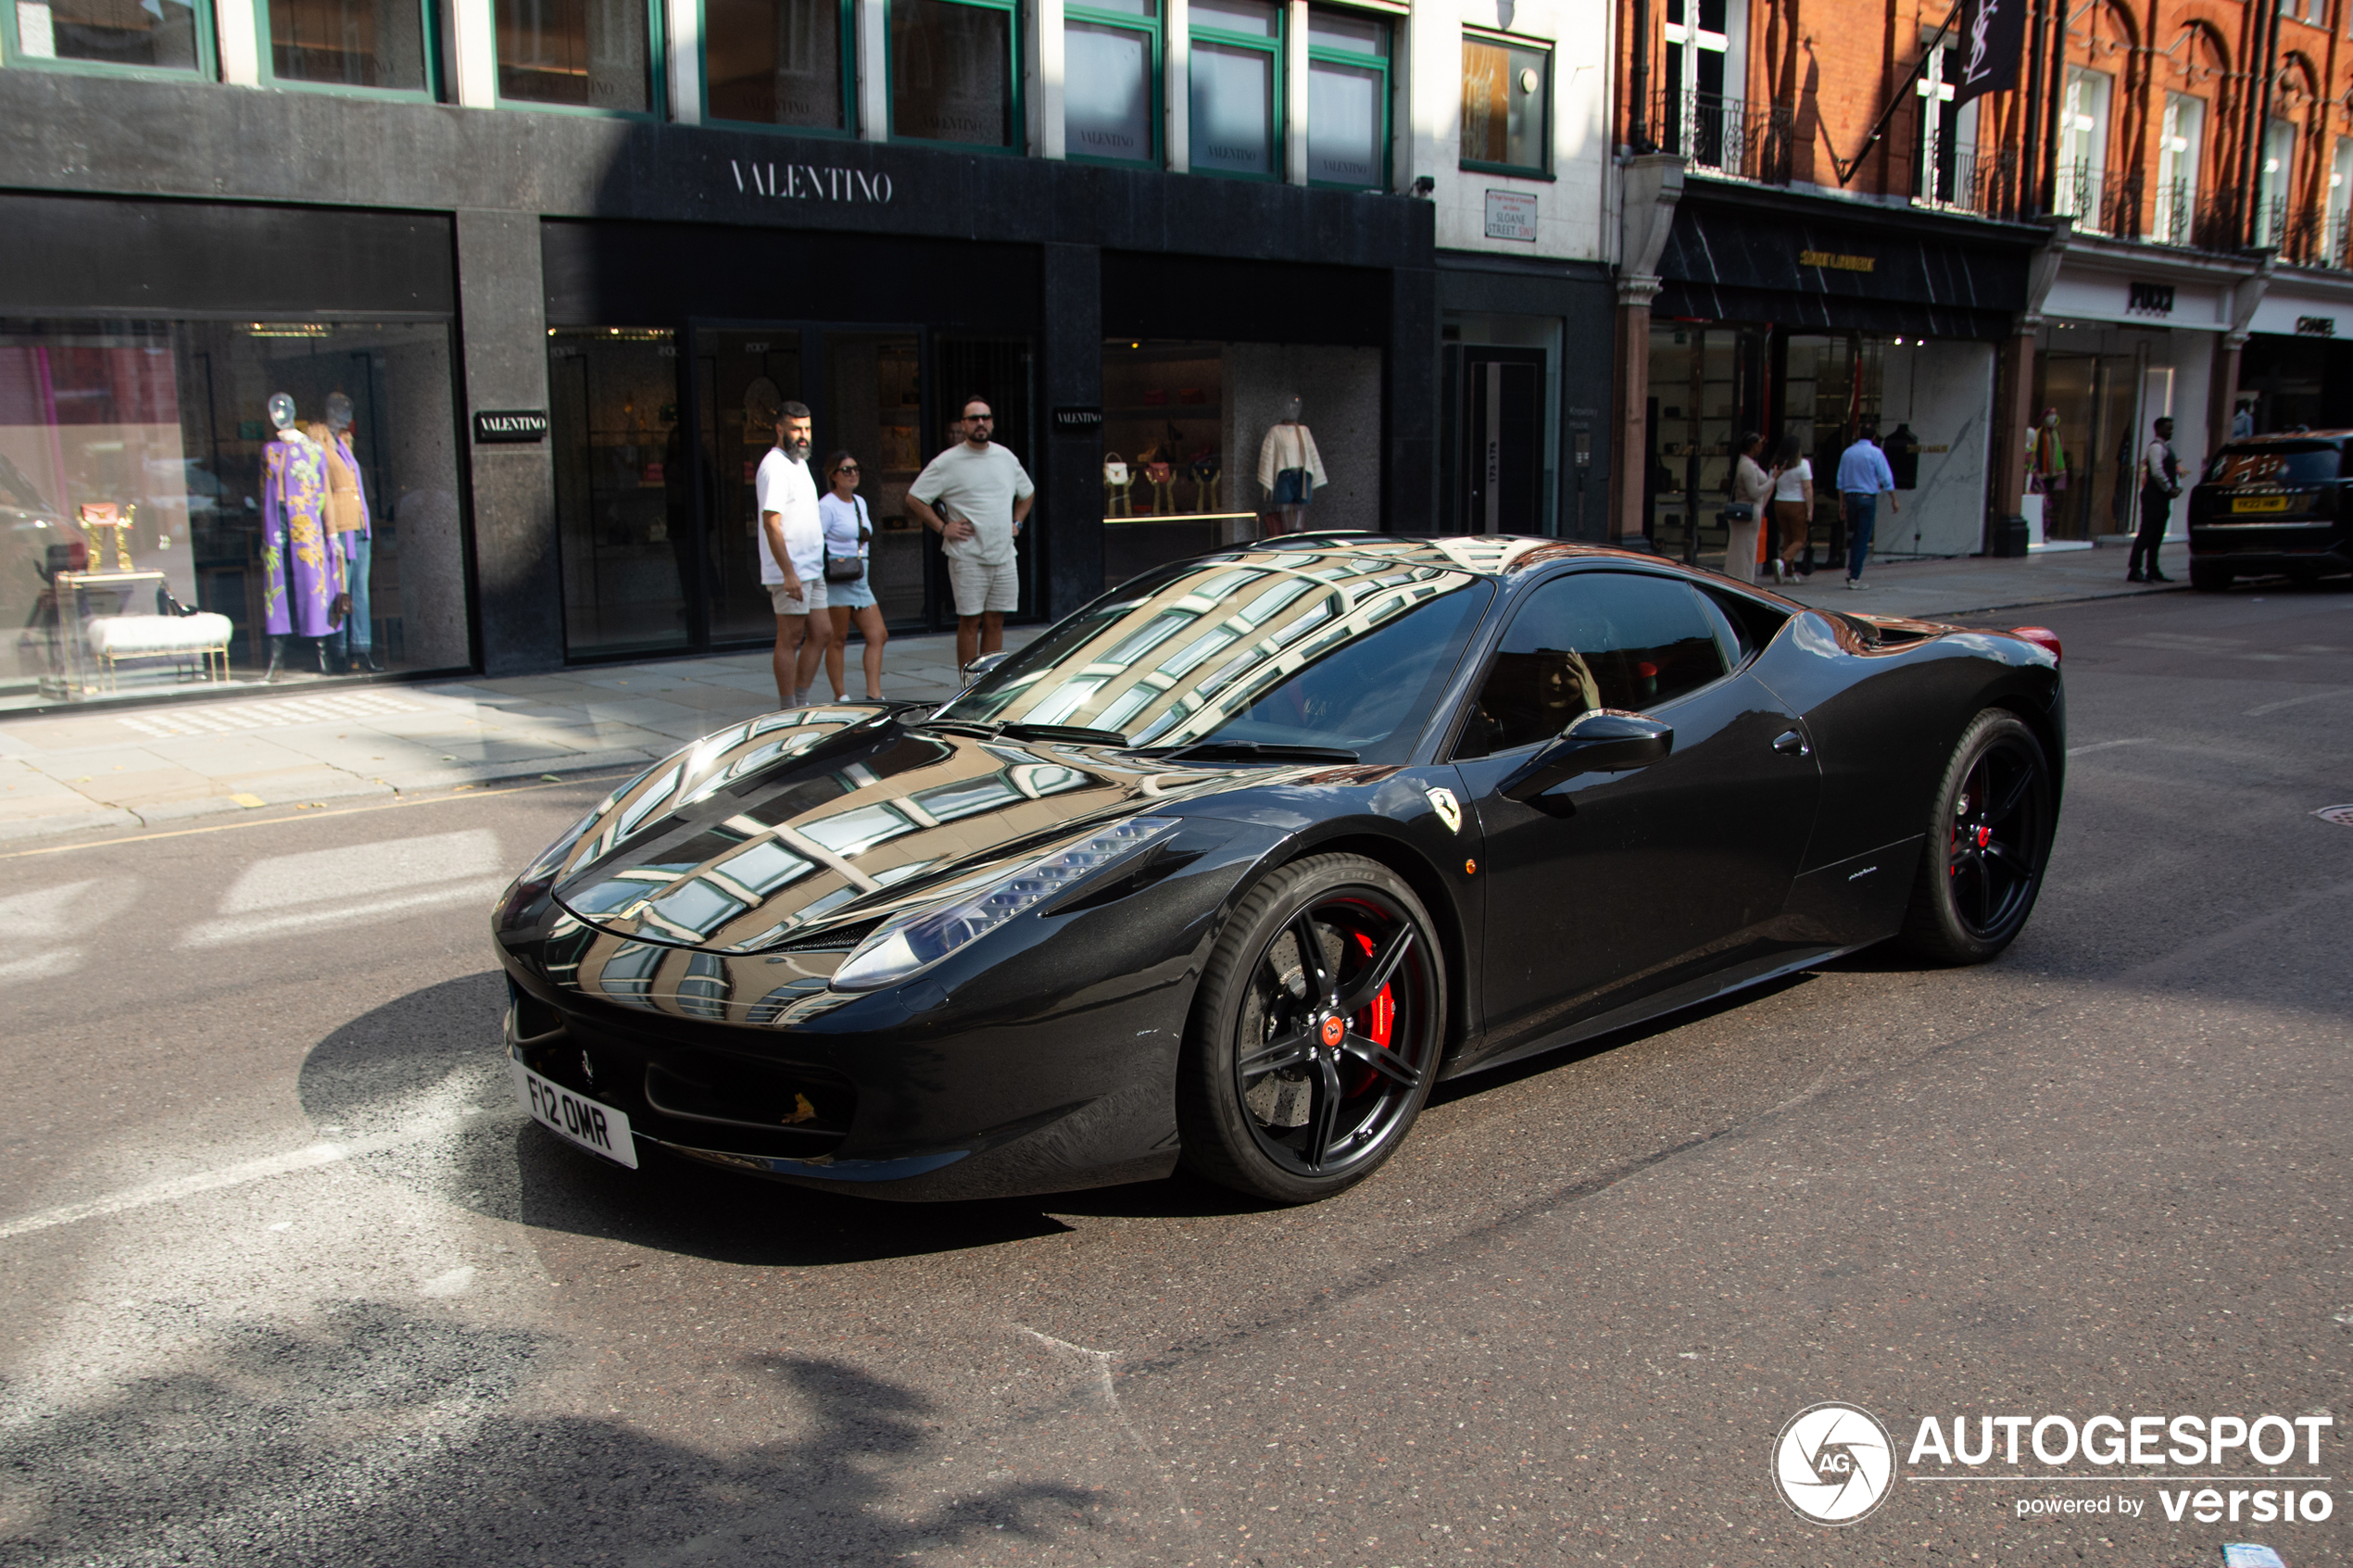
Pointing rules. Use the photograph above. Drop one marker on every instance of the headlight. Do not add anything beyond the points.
(923, 936)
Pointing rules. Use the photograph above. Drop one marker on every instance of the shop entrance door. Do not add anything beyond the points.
(1502, 457)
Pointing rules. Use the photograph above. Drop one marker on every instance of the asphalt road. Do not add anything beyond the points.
(285, 1277)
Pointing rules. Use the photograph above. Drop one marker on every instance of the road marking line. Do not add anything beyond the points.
(217, 932)
(2105, 745)
(307, 1158)
(2294, 702)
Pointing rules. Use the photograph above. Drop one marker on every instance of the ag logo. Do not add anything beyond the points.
(1835, 1463)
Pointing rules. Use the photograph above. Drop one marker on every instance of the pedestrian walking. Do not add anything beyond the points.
(792, 557)
(975, 497)
(1863, 477)
(1752, 488)
(850, 596)
(2243, 420)
(1792, 505)
(2160, 481)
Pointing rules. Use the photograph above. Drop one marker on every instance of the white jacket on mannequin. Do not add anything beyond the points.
(1289, 446)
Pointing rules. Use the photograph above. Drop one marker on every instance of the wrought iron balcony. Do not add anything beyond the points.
(1726, 137)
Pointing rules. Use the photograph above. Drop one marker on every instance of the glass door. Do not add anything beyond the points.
(743, 375)
(624, 502)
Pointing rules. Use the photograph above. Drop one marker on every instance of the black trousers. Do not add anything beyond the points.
(2156, 510)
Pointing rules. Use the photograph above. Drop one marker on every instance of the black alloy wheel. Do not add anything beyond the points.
(1989, 839)
(1316, 1032)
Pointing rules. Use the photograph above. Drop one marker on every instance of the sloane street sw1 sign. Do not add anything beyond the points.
(495, 425)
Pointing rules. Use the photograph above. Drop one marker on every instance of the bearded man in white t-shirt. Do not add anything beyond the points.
(792, 556)
(976, 495)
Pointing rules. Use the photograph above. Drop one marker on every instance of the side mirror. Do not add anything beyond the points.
(981, 666)
(1603, 741)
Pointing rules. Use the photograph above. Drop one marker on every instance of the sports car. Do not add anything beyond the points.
(1229, 868)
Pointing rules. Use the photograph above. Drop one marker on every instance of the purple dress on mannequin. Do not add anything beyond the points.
(302, 573)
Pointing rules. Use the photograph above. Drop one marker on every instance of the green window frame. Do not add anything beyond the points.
(1278, 110)
(431, 93)
(1543, 48)
(1354, 59)
(847, 129)
(1148, 26)
(657, 74)
(206, 68)
(1016, 121)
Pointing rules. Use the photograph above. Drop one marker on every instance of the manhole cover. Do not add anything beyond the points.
(2341, 815)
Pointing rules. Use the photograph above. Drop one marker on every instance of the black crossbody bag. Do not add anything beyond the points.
(850, 568)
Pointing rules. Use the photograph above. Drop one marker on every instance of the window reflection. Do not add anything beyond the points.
(154, 33)
(348, 43)
(580, 54)
(950, 72)
(774, 62)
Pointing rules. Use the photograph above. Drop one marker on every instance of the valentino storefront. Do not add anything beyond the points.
(420, 428)
(1783, 314)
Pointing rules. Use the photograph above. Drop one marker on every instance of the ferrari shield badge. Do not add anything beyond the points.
(1449, 810)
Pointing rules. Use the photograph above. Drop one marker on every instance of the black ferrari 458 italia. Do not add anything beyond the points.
(1229, 868)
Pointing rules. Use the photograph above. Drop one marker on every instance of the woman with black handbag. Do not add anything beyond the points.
(849, 536)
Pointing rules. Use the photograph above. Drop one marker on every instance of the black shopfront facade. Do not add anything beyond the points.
(652, 291)
(1791, 315)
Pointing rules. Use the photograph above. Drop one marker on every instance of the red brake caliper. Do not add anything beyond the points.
(1384, 1007)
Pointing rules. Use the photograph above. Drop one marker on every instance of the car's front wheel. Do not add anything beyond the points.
(1989, 838)
(1316, 1035)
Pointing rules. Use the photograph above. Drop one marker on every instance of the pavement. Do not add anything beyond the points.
(287, 1276)
(129, 768)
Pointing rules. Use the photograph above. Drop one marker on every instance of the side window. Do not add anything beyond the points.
(1597, 639)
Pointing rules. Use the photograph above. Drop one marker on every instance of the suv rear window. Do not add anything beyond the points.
(2276, 462)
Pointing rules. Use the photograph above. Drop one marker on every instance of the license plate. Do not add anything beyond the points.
(2258, 502)
(597, 1128)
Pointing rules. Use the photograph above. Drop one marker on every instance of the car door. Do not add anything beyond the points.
(1611, 886)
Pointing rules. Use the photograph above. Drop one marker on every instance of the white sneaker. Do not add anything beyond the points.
(1855, 583)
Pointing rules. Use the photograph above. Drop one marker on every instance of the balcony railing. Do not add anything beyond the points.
(1726, 137)
(1964, 178)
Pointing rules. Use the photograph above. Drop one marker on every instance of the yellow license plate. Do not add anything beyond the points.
(2258, 502)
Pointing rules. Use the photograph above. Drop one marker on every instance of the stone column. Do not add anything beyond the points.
(503, 316)
(1629, 442)
(1069, 511)
(1409, 410)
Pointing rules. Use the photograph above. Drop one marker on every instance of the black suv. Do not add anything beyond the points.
(2273, 504)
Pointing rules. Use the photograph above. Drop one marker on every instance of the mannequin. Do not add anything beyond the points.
(1205, 470)
(301, 574)
(1290, 469)
(354, 529)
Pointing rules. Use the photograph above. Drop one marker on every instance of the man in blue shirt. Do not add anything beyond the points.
(1863, 478)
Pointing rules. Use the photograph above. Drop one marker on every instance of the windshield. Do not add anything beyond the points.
(1272, 647)
(2279, 462)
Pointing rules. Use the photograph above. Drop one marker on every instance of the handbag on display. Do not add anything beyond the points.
(850, 568)
(1116, 479)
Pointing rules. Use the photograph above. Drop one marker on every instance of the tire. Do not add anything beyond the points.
(1296, 1084)
(1989, 840)
(2208, 577)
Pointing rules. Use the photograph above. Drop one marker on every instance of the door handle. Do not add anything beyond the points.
(1788, 743)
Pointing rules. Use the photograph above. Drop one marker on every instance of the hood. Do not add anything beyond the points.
(809, 826)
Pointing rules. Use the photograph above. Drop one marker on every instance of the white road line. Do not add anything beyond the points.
(307, 1158)
(252, 928)
(2295, 701)
(2105, 745)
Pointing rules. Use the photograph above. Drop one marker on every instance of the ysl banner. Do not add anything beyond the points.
(1993, 39)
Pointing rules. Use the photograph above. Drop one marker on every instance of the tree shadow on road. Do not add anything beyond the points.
(384, 1433)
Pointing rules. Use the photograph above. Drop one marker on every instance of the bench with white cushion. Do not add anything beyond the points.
(199, 638)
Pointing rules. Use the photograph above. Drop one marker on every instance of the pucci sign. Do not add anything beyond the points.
(809, 181)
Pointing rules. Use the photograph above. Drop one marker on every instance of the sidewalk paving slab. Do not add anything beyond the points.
(118, 770)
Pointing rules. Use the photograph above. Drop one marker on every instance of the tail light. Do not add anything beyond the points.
(2041, 636)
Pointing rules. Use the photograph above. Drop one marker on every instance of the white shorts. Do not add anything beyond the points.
(983, 589)
(811, 597)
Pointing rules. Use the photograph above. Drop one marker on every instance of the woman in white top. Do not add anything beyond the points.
(1792, 505)
(850, 535)
(1753, 487)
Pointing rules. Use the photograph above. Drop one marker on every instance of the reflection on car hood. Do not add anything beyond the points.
(774, 831)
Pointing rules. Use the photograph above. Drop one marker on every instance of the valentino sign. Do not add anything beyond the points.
(809, 182)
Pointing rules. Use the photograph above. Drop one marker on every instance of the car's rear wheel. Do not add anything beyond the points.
(2210, 577)
(1316, 1035)
(1989, 838)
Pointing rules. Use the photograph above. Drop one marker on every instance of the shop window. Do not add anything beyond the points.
(1506, 106)
(2340, 194)
(1947, 163)
(152, 469)
(156, 35)
(1111, 80)
(776, 62)
(1237, 88)
(368, 43)
(953, 73)
(1347, 100)
(625, 492)
(577, 54)
(2179, 149)
(2276, 179)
